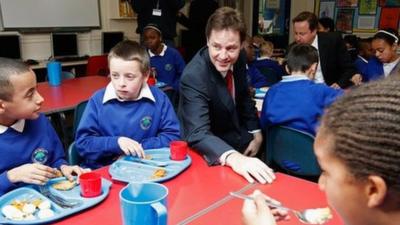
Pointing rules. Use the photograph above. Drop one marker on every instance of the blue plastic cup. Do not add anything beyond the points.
(144, 203)
(54, 73)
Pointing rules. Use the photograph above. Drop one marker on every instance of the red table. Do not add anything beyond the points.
(201, 187)
(69, 93)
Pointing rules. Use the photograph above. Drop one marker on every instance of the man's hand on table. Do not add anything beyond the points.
(250, 168)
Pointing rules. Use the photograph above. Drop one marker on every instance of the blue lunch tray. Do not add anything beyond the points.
(130, 168)
(30, 192)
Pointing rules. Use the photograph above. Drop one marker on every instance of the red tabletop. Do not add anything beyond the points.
(201, 187)
(69, 93)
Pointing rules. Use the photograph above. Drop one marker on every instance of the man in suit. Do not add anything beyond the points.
(160, 12)
(335, 68)
(218, 117)
(199, 12)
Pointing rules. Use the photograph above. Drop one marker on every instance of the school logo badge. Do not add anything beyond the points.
(40, 155)
(145, 122)
(168, 67)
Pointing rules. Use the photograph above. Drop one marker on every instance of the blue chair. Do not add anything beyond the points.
(292, 151)
(73, 156)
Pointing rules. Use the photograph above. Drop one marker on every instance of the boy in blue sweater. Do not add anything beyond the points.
(30, 150)
(167, 61)
(127, 116)
(297, 101)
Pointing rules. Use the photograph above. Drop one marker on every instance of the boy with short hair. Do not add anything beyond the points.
(127, 116)
(30, 150)
(167, 61)
(297, 101)
(266, 65)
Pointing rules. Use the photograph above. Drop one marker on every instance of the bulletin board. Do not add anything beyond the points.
(360, 15)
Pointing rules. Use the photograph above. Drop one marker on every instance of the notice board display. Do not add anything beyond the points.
(49, 15)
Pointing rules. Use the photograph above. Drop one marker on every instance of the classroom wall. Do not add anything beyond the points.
(38, 46)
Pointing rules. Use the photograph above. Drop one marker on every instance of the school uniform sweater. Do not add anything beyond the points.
(37, 139)
(169, 66)
(296, 102)
(150, 120)
(272, 64)
(257, 79)
(373, 70)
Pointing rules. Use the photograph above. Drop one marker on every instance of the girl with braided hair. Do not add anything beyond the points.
(358, 149)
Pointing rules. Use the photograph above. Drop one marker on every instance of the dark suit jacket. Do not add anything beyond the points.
(166, 22)
(336, 64)
(210, 120)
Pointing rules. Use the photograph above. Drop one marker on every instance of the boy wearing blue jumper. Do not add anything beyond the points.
(127, 116)
(297, 101)
(30, 150)
(167, 61)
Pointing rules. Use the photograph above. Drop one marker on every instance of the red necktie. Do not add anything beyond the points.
(229, 82)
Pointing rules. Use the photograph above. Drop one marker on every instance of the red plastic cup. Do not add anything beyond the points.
(178, 149)
(90, 184)
(151, 81)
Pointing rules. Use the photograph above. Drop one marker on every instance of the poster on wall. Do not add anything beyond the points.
(367, 7)
(347, 3)
(366, 22)
(389, 18)
(344, 20)
(327, 9)
(389, 3)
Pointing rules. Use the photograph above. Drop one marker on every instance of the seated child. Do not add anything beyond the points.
(385, 44)
(30, 150)
(167, 61)
(297, 101)
(358, 150)
(266, 65)
(365, 56)
(127, 116)
(351, 42)
(254, 77)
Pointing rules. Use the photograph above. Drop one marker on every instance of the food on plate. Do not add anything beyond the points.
(158, 173)
(27, 209)
(319, 215)
(44, 205)
(64, 185)
(13, 213)
(45, 213)
(37, 202)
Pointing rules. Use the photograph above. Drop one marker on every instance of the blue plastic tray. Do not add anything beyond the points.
(260, 92)
(30, 192)
(131, 168)
(160, 84)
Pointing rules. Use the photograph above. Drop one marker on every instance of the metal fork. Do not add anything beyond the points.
(62, 202)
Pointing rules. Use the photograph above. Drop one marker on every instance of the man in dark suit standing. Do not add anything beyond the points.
(160, 12)
(218, 116)
(335, 68)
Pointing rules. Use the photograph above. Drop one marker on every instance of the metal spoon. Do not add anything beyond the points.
(303, 216)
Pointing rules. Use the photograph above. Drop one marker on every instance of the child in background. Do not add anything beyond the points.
(30, 150)
(297, 101)
(127, 116)
(257, 41)
(351, 42)
(269, 67)
(326, 24)
(385, 44)
(365, 57)
(254, 77)
(167, 61)
(358, 149)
